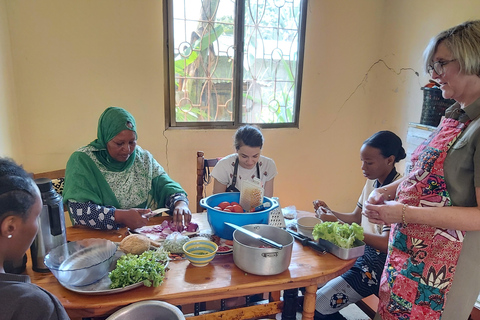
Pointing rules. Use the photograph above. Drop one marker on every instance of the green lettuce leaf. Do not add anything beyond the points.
(340, 234)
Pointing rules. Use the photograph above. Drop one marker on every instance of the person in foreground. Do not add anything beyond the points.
(378, 154)
(246, 164)
(20, 205)
(113, 182)
(432, 268)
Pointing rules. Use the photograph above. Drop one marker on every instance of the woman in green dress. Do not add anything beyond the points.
(113, 182)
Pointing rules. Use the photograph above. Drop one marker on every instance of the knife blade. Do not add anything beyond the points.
(306, 241)
(155, 213)
(256, 236)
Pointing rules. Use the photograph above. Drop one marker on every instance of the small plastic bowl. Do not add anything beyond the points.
(80, 263)
(305, 225)
(200, 252)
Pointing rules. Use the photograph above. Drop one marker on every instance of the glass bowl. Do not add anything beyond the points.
(80, 263)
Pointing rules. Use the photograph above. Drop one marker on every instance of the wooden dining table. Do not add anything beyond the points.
(187, 284)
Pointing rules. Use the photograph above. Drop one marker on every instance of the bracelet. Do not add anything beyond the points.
(404, 210)
(386, 192)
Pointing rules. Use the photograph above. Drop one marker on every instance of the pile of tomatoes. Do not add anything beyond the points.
(229, 207)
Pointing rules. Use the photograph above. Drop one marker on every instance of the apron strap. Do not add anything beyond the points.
(232, 188)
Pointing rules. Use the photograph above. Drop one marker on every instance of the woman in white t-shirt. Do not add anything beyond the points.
(378, 154)
(246, 164)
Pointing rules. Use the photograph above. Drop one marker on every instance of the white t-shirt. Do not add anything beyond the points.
(367, 225)
(223, 171)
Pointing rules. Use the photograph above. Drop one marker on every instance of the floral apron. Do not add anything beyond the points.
(421, 259)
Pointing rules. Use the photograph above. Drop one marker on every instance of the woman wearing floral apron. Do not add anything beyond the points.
(433, 264)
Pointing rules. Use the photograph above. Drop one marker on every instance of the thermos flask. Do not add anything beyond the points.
(51, 225)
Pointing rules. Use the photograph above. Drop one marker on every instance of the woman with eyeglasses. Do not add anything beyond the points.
(433, 263)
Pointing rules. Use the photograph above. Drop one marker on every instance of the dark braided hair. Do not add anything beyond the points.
(17, 189)
(388, 143)
(248, 135)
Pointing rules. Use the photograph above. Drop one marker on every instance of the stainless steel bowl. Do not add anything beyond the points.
(80, 263)
(151, 310)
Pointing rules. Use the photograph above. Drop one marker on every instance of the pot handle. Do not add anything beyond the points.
(203, 203)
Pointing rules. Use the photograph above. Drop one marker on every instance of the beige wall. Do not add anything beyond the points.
(9, 124)
(72, 59)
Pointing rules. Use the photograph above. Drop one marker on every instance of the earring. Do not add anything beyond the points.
(9, 236)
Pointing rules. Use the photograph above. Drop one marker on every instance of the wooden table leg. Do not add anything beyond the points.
(309, 302)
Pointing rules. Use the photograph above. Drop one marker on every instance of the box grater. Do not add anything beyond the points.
(276, 218)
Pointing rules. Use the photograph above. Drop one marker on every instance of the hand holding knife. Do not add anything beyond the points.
(155, 213)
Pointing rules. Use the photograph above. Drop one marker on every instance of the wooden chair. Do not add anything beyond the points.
(368, 305)
(203, 176)
(57, 177)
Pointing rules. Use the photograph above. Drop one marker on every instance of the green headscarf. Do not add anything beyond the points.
(112, 121)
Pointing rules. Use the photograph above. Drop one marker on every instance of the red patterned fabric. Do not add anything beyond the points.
(421, 259)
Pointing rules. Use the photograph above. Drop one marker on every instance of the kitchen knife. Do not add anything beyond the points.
(155, 213)
(305, 241)
(256, 236)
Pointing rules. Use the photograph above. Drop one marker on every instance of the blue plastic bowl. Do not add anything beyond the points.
(216, 218)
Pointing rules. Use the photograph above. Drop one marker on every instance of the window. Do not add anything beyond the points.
(232, 62)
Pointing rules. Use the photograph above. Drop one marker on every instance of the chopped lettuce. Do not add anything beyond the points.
(340, 234)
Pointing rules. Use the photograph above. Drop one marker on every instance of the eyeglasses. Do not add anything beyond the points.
(438, 67)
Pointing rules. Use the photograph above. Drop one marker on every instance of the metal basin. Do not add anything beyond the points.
(252, 255)
(151, 310)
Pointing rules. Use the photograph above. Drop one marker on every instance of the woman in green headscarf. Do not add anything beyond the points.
(112, 182)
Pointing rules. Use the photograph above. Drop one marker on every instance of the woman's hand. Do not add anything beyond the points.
(387, 213)
(181, 215)
(132, 218)
(376, 197)
(319, 203)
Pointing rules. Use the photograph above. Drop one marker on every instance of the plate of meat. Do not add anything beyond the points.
(160, 232)
(225, 246)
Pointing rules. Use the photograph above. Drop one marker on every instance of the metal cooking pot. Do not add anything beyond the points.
(252, 256)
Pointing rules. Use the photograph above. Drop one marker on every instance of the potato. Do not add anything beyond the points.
(135, 244)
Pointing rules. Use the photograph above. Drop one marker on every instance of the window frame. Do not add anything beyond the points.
(169, 92)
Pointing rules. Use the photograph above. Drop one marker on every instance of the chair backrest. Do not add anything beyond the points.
(57, 177)
(203, 176)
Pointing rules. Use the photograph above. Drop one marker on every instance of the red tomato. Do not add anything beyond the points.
(234, 203)
(224, 204)
(228, 208)
(218, 208)
(237, 208)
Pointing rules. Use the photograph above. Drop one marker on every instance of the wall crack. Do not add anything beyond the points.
(167, 170)
(364, 80)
